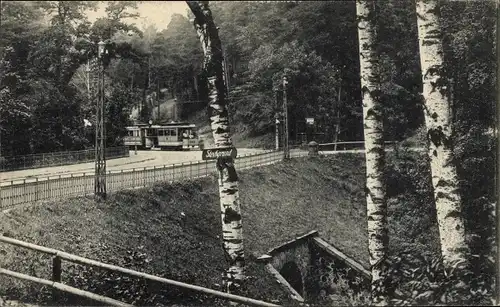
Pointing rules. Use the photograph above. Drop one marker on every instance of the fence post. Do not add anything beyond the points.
(56, 276)
(173, 172)
(24, 191)
(133, 177)
(144, 176)
(109, 182)
(190, 169)
(154, 173)
(84, 185)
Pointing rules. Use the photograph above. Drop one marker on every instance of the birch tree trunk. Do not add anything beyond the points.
(374, 145)
(437, 120)
(232, 231)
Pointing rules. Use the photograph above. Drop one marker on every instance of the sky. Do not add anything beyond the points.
(157, 13)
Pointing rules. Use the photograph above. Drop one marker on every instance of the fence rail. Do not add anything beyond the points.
(82, 184)
(56, 276)
(35, 189)
(348, 145)
(13, 163)
(62, 287)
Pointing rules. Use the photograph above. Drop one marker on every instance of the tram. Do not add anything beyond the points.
(166, 136)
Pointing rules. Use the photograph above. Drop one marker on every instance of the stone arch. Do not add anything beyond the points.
(291, 272)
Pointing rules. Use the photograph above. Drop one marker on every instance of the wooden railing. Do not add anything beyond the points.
(347, 145)
(34, 189)
(65, 288)
(58, 256)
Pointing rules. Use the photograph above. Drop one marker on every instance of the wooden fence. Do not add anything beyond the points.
(58, 158)
(348, 145)
(82, 184)
(55, 283)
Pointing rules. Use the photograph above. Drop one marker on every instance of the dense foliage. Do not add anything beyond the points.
(313, 43)
(46, 90)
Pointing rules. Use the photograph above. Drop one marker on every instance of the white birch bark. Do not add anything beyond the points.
(437, 120)
(374, 144)
(232, 231)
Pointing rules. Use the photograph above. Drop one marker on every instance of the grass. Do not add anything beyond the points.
(288, 199)
(278, 202)
(145, 230)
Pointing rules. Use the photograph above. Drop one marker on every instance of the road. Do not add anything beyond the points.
(33, 189)
(125, 173)
(141, 160)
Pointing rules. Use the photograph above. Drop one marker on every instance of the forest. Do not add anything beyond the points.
(44, 88)
(44, 93)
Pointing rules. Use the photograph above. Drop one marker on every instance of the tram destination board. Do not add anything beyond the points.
(214, 153)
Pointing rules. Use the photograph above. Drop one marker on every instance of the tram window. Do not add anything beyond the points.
(173, 132)
(160, 132)
(130, 133)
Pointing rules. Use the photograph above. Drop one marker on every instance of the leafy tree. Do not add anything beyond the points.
(469, 50)
(399, 70)
(313, 84)
(178, 57)
(21, 23)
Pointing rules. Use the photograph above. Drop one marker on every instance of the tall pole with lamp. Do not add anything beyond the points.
(276, 120)
(285, 114)
(100, 145)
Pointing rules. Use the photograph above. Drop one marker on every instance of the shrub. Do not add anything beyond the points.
(413, 279)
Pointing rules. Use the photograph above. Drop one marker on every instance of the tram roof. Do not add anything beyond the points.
(163, 125)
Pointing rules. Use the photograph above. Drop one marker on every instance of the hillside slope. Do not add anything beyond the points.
(239, 133)
(174, 230)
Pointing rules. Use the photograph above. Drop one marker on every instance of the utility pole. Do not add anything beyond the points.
(149, 71)
(158, 99)
(175, 109)
(337, 124)
(89, 95)
(285, 127)
(100, 146)
(277, 120)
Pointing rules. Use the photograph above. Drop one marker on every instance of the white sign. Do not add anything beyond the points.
(310, 120)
